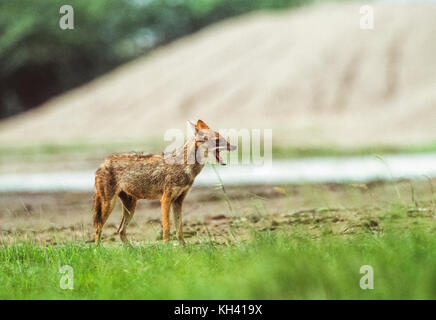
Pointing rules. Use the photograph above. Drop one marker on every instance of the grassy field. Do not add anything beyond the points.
(269, 266)
(288, 242)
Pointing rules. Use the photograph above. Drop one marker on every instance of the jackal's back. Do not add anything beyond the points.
(144, 176)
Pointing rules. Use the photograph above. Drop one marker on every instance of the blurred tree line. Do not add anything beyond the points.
(39, 60)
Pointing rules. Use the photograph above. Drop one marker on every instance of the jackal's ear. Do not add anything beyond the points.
(191, 125)
(201, 125)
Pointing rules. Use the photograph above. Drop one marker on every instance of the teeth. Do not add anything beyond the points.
(220, 160)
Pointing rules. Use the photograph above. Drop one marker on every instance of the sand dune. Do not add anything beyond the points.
(312, 75)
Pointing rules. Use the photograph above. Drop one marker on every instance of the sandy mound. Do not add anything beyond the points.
(312, 75)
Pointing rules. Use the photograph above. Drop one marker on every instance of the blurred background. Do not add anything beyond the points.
(39, 60)
(131, 69)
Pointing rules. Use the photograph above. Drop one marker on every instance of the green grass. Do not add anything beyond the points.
(316, 254)
(99, 149)
(78, 147)
(338, 151)
(282, 265)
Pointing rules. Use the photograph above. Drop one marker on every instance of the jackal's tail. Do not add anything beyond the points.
(97, 206)
(97, 217)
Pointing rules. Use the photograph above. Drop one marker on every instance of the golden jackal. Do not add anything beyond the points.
(167, 177)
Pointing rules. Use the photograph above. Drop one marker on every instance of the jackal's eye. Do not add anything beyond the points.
(202, 137)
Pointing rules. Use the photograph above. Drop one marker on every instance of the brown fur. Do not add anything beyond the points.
(137, 176)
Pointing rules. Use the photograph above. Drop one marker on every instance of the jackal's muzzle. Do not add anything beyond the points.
(223, 146)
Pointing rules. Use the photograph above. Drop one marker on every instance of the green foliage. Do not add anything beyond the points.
(270, 266)
(39, 60)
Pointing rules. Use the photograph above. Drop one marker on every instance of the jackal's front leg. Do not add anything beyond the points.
(177, 216)
(165, 203)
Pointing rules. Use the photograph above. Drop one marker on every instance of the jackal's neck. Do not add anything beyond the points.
(188, 157)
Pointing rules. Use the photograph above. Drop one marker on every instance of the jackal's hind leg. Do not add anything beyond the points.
(129, 206)
(106, 208)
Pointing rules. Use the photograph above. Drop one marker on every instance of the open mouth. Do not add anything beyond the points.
(218, 158)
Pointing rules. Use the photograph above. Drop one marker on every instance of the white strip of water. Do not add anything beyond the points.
(312, 170)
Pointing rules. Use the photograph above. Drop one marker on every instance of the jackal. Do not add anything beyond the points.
(167, 177)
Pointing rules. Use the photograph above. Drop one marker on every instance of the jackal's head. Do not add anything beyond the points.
(208, 141)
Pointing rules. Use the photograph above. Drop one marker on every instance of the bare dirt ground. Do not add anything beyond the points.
(212, 215)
